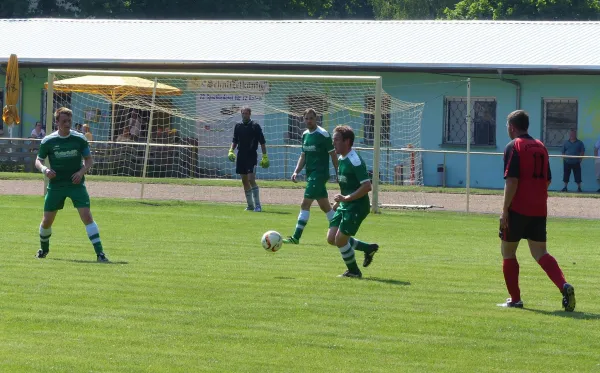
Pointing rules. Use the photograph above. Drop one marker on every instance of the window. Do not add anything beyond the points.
(297, 104)
(483, 124)
(369, 122)
(61, 99)
(560, 116)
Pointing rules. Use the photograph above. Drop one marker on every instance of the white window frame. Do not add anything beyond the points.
(568, 100)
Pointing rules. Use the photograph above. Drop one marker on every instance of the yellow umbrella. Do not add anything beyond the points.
(114, 88)
(10, 115)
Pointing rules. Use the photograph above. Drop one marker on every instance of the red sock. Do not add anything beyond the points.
(550, 266)
(510, 267)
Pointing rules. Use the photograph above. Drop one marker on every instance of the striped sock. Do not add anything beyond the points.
(348, 255)
(45, 234)
(94, 236)
(359, 245)
(302, 221)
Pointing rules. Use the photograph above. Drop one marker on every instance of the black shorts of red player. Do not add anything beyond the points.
(524, 227)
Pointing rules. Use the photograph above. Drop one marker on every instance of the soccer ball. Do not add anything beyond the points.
(272, 241)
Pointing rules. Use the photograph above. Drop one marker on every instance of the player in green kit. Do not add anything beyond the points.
(65, 149)
(352, 204)
(317, 148)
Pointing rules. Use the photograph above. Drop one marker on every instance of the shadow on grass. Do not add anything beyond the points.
(387, 281)
(570, 315)
(276, 212)
(284, 278)
(85, 261)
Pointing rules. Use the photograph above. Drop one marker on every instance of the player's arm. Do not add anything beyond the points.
(363, 190)
(334, 161)
(264, 163)
(88, 162)
(299, 166)
(39, 161)
(511, 177)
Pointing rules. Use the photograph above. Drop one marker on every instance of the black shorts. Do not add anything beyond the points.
(524, 227)
(576, 167)
(245, 165)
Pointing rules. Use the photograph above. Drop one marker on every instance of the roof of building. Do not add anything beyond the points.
(401, 45)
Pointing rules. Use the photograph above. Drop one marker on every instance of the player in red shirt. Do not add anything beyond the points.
(527, 175)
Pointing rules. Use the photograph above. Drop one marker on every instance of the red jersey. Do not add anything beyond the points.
(526, 159)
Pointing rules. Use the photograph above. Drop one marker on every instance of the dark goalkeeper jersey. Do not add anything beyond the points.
(526, 159)
(247, 136)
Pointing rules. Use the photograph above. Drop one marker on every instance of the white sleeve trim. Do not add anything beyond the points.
(364, 181)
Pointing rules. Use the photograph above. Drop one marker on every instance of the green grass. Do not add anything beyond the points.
(190, 289)
(283, 184)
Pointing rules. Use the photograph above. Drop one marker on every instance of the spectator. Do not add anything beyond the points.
(124, 136)
(597, 162)
(78, 127)
(38, 131)
(135, 125)
(86, 132)
(573, 147)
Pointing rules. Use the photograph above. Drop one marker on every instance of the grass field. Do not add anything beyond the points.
(190, 289)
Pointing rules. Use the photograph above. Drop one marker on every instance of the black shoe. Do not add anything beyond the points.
(351, 274)
(510, 304)
(598, 191)
(41, 254)
(579, 190)
(568, 301)
(564, 189)
(369, 255)
(102, 258)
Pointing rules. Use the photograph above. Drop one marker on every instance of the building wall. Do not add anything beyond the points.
(432, 89)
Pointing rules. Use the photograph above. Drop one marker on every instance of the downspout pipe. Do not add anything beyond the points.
(514, 82)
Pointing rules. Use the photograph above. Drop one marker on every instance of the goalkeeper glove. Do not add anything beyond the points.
(231, 155)
(264, 163)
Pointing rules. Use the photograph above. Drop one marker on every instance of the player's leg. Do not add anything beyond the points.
(597, 169)
(303, 217)
(577, 175)
(254, 189)
(241, 169)
(566, 175)
(45, 233)
(351, 226)
(343, 244)
(81, 201)
(537, 247)
(510, 238)
(53, 201)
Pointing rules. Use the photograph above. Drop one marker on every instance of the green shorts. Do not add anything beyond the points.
(348, 219)
(55, 198)
(316, 188)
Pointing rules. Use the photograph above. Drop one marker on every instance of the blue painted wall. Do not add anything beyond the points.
(486, 170)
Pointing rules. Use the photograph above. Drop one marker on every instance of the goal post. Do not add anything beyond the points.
(179, 125)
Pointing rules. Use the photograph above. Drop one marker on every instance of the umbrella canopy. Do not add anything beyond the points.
(10, 115)
(114, 88)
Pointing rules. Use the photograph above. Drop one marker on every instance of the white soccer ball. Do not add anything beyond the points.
(272, 241)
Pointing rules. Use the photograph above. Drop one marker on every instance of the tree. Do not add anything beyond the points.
(410, 9)
(543, 10)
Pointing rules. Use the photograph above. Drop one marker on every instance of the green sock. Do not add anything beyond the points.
(348, 255)
(45, 234)
(94, 236)
(302, 221)
(359, 245)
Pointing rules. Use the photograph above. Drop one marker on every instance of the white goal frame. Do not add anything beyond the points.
(376, 80)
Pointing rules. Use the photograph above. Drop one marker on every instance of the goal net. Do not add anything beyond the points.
(159, 126)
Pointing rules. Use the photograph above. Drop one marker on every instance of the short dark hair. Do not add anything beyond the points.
(62, 110)
(310, 111)
(519, 119)
(246, 108)
(346, 132)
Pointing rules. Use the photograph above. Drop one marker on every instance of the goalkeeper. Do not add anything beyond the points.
(317, 148)
(246, 136)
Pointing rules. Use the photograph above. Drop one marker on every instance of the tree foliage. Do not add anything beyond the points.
(542, 10)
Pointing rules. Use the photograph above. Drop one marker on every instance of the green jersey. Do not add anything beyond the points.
(317, 146)
(352, 172)
(65, 155)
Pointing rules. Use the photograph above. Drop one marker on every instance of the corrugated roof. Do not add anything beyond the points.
(366, 44)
